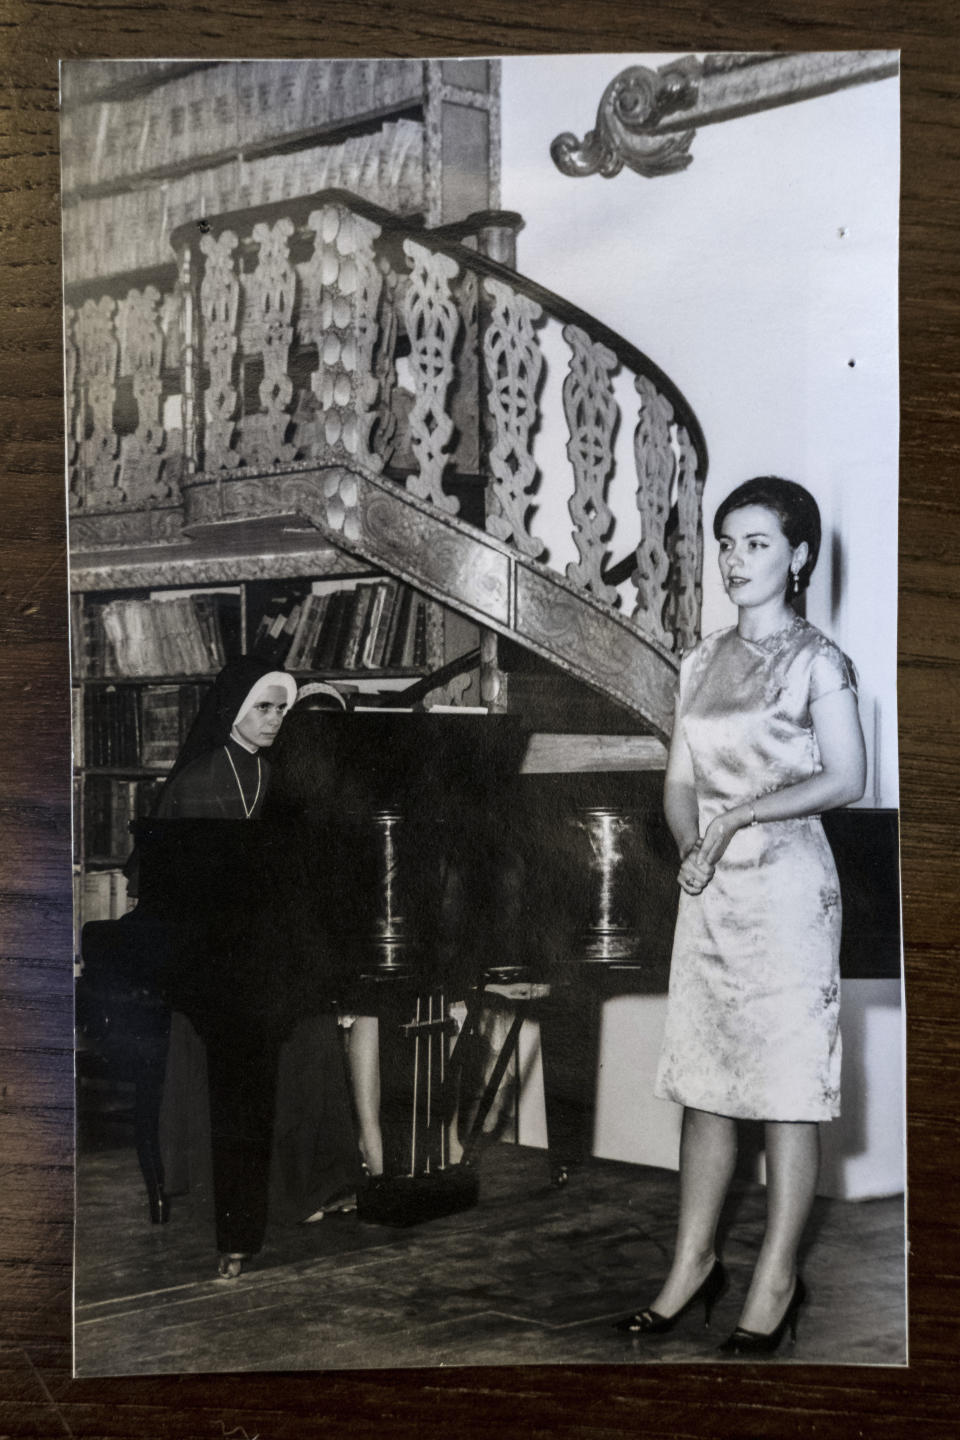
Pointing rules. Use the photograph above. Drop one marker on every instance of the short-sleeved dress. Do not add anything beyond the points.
(752, 1026)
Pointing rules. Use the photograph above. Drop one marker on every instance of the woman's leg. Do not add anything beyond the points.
(708, 1154)
(793, 1163)
(363, 1054)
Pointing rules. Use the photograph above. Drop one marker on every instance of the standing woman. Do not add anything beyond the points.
(767, 736)
(222, 774)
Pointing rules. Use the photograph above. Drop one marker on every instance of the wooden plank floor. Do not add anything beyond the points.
(532, 1275)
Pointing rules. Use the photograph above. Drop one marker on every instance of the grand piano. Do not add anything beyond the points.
(405, 862)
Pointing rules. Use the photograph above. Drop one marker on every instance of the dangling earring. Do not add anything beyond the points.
(796, 581)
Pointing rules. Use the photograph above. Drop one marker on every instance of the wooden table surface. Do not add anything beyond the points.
(36, 1140)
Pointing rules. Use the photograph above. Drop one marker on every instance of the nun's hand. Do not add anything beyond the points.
(694, 874)
(720, 832)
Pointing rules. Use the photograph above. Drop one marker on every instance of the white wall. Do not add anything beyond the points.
(752, 279)
(734, 277)
(863, 1151)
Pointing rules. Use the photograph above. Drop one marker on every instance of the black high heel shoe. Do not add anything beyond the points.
(757, 1342)
(651, 1322)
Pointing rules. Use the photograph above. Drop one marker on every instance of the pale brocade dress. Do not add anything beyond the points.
(752, 1026)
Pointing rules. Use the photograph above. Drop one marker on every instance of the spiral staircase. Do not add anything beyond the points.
(326, 366)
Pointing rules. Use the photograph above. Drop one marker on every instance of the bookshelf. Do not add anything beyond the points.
(143, 659)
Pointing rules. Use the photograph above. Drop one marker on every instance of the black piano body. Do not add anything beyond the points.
(404, 861)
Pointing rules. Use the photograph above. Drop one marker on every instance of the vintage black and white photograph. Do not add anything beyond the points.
(482, 492)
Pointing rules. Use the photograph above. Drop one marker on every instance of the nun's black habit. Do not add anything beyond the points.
(237, 991)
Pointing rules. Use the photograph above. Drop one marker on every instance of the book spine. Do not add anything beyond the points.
(347, 612)
(374, 616)
(327, 641)
(381, 642)
(398, 638)
(297, 651)
(410, 633)
(287, 633)
(311, 642)
(363, 595)
(420, 634)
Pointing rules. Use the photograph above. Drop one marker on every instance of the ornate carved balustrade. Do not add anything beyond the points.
(124, 449)
(399, 389)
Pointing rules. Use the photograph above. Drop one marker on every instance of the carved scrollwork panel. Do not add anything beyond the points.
(465, 403)
(513, 362)
(268, 293)
(656, 467)
(97, 356)
(686, 570)
(340, 313)
(597, 645)
(140, 335)
(432, 322)
(384, 429)
(219, 305)
(592, 413)
(122, 530)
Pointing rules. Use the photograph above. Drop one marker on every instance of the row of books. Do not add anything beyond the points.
(183, 635)
(224, 108)
(103, 895)
(109, 808)
(126, 726)
(375, 625)
(134, 227)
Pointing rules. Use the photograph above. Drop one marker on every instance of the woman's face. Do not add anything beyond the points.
(756, 557)
(260, 726)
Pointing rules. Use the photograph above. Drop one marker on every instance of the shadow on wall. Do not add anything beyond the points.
(863, 1156)
(863, 1151)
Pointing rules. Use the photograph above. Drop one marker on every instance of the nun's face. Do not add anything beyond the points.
(260, 726)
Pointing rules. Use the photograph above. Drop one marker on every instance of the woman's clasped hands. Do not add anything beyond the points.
(699, 863)
(695, 873)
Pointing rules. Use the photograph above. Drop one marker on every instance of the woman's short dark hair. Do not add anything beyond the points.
(795, 507)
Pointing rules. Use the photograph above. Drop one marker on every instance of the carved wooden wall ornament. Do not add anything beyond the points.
(592, 413)
(630, 106)
(514, 364)
(647, 119)
(432, 321)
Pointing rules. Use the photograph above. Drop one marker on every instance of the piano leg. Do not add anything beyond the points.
(148, 1072)
(569, 1047)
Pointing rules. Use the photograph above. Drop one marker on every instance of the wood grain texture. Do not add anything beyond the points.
(37, 1397)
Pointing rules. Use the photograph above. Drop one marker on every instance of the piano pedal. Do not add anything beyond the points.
(403, 1200)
